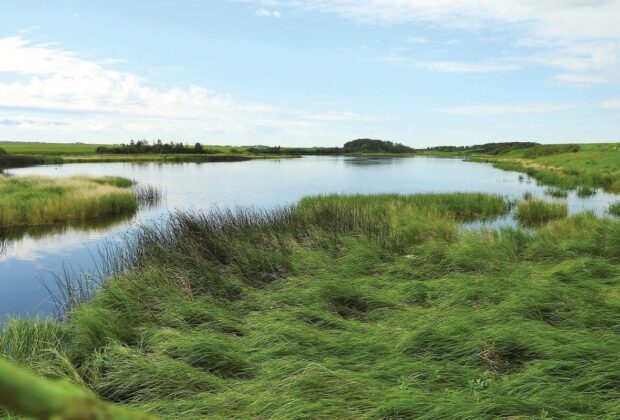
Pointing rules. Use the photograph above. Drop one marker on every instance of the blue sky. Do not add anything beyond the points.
(310, 72)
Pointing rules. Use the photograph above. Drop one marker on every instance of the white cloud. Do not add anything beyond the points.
(417, 40)
(45, 87)
(613, 103)
(268, 13)
(536, 108)
(452, 66)
(458, 67)
(580, 37)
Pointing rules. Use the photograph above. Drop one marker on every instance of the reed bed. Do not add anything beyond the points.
(348, 307)
(35, 201)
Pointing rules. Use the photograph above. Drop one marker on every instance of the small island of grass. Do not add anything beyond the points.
(37, 201)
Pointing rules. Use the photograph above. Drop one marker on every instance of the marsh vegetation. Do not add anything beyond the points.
(36, 201)
(348, 306)
(531, 212)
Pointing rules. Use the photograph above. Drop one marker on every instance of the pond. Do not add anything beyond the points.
(30, 260)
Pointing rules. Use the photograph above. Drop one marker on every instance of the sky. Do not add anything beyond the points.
(310, 72)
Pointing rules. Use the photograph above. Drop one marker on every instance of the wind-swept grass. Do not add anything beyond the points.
(350, 307)
(534, 212)
(35, 201)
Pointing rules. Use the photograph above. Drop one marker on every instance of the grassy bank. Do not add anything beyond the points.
(36, 201)
(28, 154)
(586, 165)
(349, 307)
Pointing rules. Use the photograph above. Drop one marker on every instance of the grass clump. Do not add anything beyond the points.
(585, 191)
(535, 212)
(557, 192)
(614, 208)
(349, 307)
(35, 201)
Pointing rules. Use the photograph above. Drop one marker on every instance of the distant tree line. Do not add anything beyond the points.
(375, 146)
(487, 148)
(354, 146)
(158, 147)
(265, 150)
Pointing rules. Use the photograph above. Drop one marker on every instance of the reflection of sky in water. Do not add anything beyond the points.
(27, 262)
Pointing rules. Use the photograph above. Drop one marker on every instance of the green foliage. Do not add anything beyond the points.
(614, 208)
(375, 146)
(351, 306)
(143, 147)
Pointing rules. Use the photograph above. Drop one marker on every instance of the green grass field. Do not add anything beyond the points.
(48, 148)
(594, 165)
(58, 153)
(378, 307)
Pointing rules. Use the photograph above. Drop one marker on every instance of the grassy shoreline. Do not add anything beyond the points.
(38, 201)
(562, 166)
(592, 165)
(341, 307)
(30, 154)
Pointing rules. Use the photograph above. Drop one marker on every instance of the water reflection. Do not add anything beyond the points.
(366, 161)
(24, 242)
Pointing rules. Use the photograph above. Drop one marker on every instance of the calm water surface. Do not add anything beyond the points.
(28, 259)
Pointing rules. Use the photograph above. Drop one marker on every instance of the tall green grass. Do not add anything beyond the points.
(534, 212)
(350, 307)
(34, 201)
